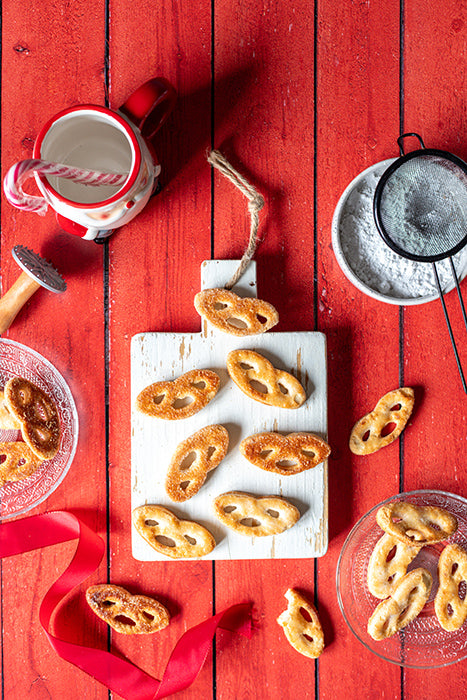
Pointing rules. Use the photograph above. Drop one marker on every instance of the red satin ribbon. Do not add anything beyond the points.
(119, 675)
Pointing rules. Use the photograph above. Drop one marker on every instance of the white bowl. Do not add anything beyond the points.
(365, 259)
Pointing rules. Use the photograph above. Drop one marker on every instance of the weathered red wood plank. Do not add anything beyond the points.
(268, 135)
(434, 78)
(154, 275)
(357, 116)
(44, 69)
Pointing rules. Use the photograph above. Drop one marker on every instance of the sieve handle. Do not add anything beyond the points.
(459, 293)
(403, 136)
(453, 342)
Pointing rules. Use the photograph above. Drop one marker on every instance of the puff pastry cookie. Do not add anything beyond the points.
(450, 607)
(193, 459)
(181, 397)
(305, 634)
(384, 424)
(37, 414)
(255, 516)
(126, 613)
(167, 534)
(19, 462)
(402, 607)
(285, 454)
(228, 312)
(7, 419)
(388, 564)
(419, 525)
(260, 380)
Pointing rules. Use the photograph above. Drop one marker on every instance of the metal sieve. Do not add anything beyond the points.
(420, 210)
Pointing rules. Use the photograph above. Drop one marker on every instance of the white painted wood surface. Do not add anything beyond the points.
(164, 356)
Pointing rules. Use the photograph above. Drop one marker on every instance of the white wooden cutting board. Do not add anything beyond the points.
(164, 356)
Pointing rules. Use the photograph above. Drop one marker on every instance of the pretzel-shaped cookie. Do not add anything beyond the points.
(255, 517)
(38, 415)
(417, 525)
(126, 613)
(19, 463)
(193, 459)
(305, 634)
(388, 564)
(167, 534)
(450, 608)
(181, 397)
(405, 603)
(7, 419)
(232, 314)
(384, 424)
(285, 454)
(261, 381)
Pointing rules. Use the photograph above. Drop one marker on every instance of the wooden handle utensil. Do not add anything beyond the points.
(36, 273)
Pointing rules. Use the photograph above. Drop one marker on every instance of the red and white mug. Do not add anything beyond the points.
(94, 139)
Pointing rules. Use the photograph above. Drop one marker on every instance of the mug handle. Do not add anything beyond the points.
(150, 105)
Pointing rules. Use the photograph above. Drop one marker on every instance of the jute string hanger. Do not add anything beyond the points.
(255, 204)
(221, 307)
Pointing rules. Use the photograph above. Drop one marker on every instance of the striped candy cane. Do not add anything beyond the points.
(20, 172)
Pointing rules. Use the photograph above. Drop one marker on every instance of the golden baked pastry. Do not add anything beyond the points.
(7, 419)
(450, 608)
(384, 424)
(402, 607)
(417, 525)
(167, 534)
(193, 459)
(228, 312)
(305, 634)
(255, 516)
(126, 613)
(285, 454)
(19, 461)
(260, 380)
(181, 397)
(37, 414)
(388, 564)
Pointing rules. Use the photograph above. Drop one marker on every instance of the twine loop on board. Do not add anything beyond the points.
(255, 204)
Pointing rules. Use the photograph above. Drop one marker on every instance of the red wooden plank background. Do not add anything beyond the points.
(45, 69)
(301, 98)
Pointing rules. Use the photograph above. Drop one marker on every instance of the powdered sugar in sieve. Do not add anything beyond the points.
(363, 254)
